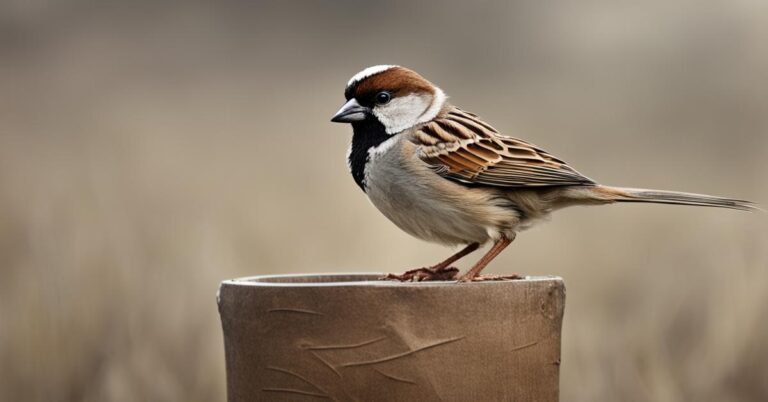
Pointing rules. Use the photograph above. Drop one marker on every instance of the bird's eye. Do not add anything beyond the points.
(382, 98)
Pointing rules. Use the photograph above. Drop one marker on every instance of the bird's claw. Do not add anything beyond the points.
(425, 274)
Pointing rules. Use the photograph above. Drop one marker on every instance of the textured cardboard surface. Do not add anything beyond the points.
(348, 337)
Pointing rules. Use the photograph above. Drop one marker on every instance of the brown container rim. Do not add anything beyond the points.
(357, 279)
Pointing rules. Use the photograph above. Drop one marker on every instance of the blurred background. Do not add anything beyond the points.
(149, 150)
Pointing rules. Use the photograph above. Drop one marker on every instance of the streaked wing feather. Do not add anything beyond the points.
(462, 147)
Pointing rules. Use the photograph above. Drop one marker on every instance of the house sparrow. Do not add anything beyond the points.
(444, 175)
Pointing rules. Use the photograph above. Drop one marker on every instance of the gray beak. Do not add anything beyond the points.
(350, 112)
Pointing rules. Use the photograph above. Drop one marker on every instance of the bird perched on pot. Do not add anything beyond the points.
(444, 175)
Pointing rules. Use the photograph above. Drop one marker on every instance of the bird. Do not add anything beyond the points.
(444, 175)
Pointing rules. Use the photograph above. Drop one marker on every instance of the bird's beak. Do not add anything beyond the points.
(350, 112)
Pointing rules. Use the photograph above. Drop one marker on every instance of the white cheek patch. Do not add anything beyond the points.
(402, 112)
(407, 111)
(434, 108)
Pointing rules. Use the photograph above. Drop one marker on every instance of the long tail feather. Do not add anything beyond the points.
(621, 194)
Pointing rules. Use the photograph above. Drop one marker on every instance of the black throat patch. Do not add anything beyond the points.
(366, 135)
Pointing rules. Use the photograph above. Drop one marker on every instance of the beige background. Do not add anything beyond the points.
(149, 151)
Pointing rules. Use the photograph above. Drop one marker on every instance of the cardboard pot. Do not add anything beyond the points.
(351, 337)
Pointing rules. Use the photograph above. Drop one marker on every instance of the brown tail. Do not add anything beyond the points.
(621, 194)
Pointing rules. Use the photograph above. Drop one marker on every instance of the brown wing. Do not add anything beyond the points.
(462, 147)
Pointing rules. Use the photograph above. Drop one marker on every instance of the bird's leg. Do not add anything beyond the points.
(461, 254)
(497, 248)
(439, 272)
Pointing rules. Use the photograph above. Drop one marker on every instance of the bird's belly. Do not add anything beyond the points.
(432, 208)
(436, 222)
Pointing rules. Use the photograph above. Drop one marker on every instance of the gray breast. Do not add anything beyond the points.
(428, 206)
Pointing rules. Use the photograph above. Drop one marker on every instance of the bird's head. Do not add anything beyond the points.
(395, 96)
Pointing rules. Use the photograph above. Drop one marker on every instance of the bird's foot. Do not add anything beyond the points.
(425, 274)
(491, 277)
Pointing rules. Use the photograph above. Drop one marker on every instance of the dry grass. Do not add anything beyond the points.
(148, 152)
